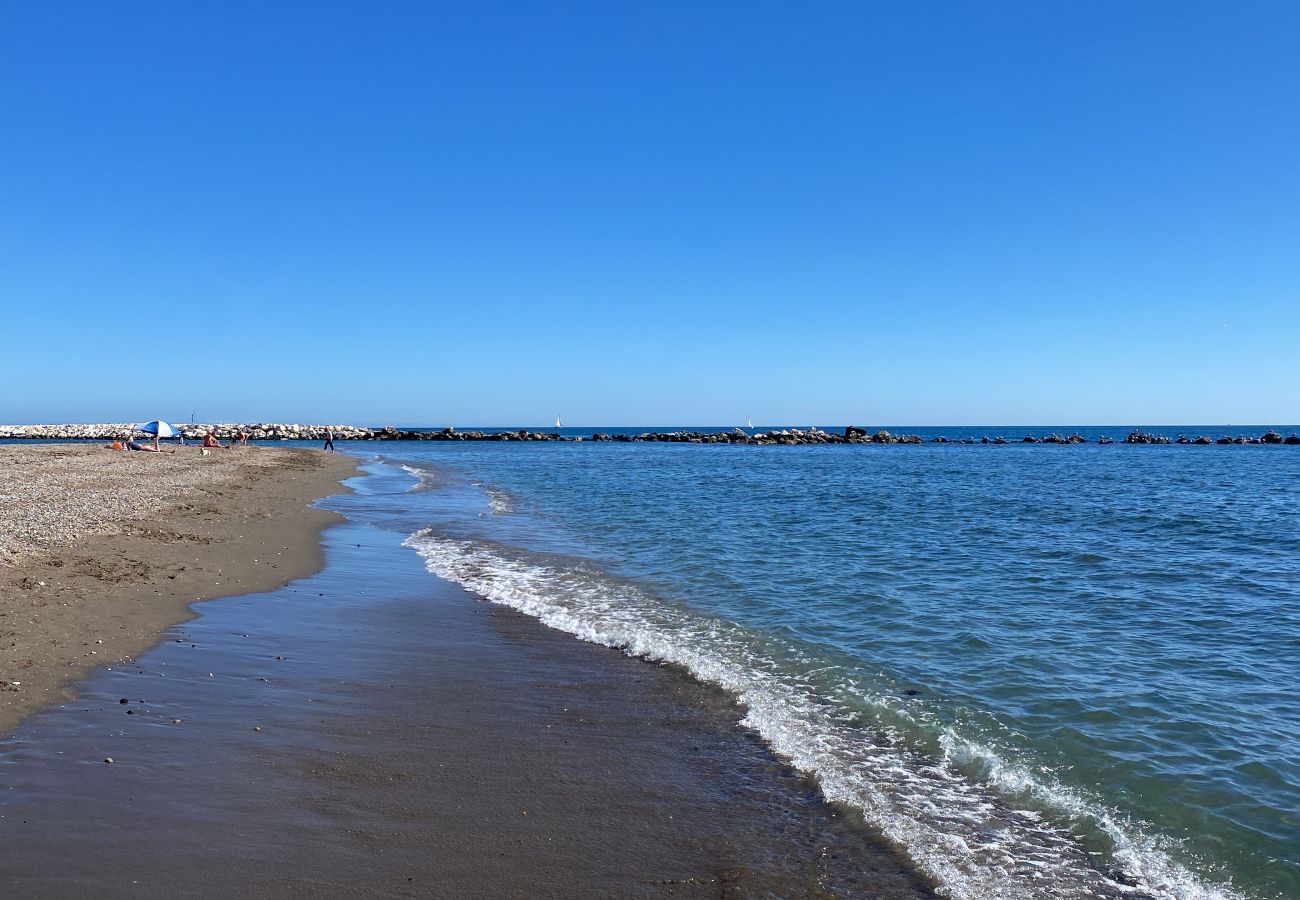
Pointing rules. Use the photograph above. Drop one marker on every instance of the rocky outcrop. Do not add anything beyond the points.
(1145, 437)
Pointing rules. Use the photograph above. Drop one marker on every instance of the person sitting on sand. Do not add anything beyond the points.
(210, 440)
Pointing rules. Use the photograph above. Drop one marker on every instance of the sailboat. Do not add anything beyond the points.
(558, 423)
(751, 423)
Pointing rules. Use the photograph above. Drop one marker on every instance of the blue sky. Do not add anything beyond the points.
(488, 213)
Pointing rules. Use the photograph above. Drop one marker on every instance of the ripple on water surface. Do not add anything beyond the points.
(1028, 668)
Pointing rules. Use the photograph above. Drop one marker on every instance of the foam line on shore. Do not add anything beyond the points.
(963, 832)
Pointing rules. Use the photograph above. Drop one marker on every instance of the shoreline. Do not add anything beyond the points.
(105, 597)
(376, 730)
(372, 730)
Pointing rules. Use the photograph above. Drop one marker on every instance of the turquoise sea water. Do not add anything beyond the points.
(1040, 671)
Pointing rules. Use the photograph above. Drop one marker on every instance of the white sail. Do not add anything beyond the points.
(558, 423)
(751, 421)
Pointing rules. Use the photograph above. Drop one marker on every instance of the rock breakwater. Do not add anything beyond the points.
(120, 431)
(853, 434)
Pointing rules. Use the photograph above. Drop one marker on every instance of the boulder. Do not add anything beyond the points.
(1142, 437)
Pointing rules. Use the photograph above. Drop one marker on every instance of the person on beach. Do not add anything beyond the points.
(145, 448)
(329, 439)
(243, 436)
(210, 441)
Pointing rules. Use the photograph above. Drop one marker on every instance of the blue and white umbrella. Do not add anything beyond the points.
(160, 428)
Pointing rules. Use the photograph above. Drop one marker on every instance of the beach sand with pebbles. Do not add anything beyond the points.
(373, 731)
(101, 551)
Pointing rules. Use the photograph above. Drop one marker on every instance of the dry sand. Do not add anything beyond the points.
(101, 551)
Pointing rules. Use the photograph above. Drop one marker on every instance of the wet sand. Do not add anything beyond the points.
(104, 551)
(373, 731)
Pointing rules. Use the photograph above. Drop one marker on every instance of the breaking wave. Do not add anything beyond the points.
(978, 824)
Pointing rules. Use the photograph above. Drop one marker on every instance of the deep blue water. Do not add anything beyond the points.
(1041, 671)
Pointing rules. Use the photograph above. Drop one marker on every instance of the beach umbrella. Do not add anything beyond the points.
(160, 428)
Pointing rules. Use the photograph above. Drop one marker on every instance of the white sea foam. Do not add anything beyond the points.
(959, 830)
(500, 502)
(425, 479)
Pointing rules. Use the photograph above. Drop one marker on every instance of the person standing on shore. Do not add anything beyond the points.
(329, 439)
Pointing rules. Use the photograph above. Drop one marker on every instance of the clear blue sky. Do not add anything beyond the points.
(628, 213)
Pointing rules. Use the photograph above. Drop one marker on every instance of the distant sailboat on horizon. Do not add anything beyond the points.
(751, 423)
(558, 423)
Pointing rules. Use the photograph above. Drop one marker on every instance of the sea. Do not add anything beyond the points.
(1035, 670)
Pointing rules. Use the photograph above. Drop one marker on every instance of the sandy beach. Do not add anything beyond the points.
(371, 731)
(102, 551)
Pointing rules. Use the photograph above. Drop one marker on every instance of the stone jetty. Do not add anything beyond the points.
(264, 431)
(120, 431)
